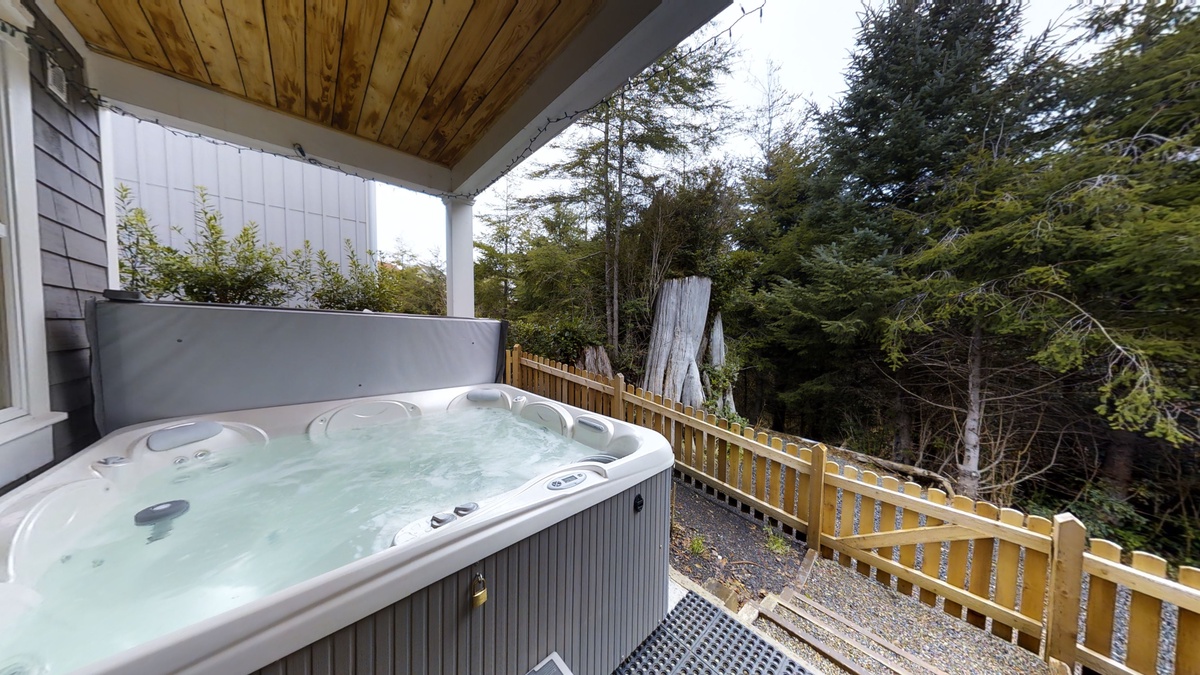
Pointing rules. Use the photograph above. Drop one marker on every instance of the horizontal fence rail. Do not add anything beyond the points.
(1036, 581)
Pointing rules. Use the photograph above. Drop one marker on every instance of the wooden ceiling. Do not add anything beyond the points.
(427, 77)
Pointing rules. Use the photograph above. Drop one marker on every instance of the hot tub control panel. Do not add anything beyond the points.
(566, 482)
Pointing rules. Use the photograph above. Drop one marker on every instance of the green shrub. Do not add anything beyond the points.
(561, 340)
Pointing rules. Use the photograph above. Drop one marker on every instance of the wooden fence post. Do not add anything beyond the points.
(516, 370)
(816, 493)
(618, 407)
(1068, 539)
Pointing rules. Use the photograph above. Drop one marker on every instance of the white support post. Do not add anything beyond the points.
(460, 261)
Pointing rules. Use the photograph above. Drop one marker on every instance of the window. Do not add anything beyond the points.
(25, 415)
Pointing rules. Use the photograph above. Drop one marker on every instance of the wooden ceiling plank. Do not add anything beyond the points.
(401, 27)
(360, 40)
(131, 24)
(324, 20)
(285, 35)
(477, 34)
(554, 34)
(445, 20)
(175, 35)
(522, 25)
(211, 32)
(248, 29)
(94, 26)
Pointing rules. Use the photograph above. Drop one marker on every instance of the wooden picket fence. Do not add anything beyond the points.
(1022, 577)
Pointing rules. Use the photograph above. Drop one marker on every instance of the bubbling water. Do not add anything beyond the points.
(261, 519)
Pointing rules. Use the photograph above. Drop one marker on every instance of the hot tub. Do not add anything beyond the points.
(471, 530)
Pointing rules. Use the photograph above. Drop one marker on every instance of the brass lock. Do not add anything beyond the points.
(478, 590)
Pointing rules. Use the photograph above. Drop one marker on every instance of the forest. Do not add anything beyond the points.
(982, 261)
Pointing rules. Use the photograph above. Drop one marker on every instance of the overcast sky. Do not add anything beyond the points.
(809, 40)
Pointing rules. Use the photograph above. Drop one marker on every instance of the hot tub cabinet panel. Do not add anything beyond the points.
(590, 587)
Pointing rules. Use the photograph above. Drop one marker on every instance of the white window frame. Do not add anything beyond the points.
(22, 447)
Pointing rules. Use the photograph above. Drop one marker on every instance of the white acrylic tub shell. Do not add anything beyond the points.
(44, 517)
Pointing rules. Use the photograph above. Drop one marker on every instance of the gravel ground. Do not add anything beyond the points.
(926, 632)
(733, 547)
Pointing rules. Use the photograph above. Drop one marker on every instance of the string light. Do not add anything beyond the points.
(92, 98)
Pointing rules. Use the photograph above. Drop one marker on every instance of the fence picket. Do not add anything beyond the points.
(931, 554)
(1035, 576)
(803, 510)
(760, 470)
(1145, 616)
(981, 565)
(848, 507)
(789, 482)
(774, 471)
(727, 454)
(746, 462)
(1008, 562)
(887, 523)
(1187, 637)
(909, 520)
(956, 564)
(866, 516)
(829, 505)
(1102, 602)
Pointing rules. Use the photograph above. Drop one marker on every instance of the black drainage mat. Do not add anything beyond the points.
(697, 638)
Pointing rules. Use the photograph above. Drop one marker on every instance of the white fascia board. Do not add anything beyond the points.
(570, 85)
(190, 107)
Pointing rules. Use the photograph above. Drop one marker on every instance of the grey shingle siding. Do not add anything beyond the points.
(71, 219)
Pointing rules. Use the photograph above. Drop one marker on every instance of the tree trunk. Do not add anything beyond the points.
(671, 362)
(723, 400)
(1118, 463)
(968, 471)
(902, 452)
(595, 360)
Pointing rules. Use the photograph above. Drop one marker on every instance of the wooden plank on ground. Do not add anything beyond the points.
(1102, 602)
(924, 666)
(1008, 564)
(910, 519)
(806, 568)
(862, 646)
(1145, 617)
(839, 659)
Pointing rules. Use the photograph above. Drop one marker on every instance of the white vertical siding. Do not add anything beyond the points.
(290, 201)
